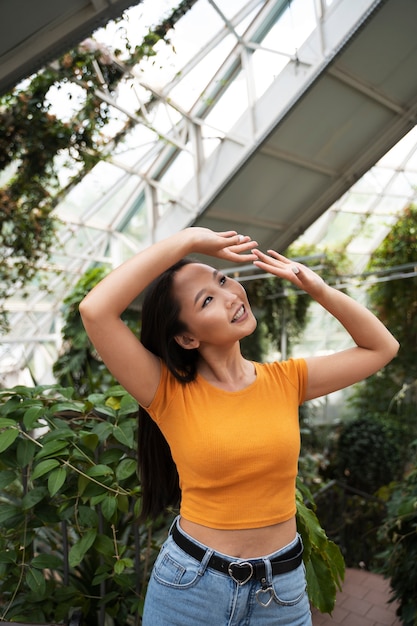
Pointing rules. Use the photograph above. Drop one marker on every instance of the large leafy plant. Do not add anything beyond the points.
(325, 566)
(69, 498)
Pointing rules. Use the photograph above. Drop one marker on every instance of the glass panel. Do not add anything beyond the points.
(92, 189)
(341, 228)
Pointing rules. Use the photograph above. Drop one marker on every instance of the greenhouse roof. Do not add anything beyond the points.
(287, 121)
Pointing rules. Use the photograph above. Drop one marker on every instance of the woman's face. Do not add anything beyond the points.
(214, 307)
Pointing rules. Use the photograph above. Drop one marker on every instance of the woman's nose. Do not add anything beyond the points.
(231, 299)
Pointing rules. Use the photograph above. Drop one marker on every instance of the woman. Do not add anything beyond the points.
(233, 556)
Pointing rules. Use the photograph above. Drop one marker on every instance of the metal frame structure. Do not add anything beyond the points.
(252, 141)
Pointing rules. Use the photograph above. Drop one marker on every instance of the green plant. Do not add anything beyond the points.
(325, 566)
(69, 498)
(399, 532)
(393, 390)
(78, 365)
(369, 453)
(351, 519)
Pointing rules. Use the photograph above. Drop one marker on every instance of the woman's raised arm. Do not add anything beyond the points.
(375, 346)
(137, 369)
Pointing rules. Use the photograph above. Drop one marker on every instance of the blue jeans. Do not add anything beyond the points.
(185, 592)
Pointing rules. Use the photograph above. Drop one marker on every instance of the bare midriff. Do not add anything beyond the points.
(247, 543)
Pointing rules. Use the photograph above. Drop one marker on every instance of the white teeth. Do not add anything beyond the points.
(239, 313)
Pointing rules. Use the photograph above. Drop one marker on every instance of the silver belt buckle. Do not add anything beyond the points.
(240, 565)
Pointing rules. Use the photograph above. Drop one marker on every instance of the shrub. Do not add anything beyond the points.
(398, 561)
(369, 454)
(69, 497)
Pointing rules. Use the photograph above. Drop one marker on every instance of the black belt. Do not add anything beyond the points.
(241, 571)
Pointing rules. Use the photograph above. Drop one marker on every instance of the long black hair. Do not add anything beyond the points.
(160, 324)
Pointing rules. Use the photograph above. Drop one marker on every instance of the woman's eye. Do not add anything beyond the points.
(222, 280)
(207, 300)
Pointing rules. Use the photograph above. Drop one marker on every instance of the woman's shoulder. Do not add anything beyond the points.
(292, 371)
(289, 366)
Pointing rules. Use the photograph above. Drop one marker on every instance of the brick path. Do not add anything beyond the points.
(363, 601)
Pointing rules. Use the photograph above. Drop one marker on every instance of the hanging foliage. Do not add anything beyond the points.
(33, 142)
(396, 300)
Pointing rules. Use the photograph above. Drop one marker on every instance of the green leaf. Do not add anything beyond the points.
(123, 503)
(56, 479)
(12, 405)
(52, 448)
(32, 414)
(25, 452)
(90, 441)
(78, 550)
(111, 456)
(320, 584)
(62, 406)
(99, 470)
(121, 565)
(61, 432)
(125, 434)
(104, 545)
(5, 422)
(66, 392)
(44, 467)
(6, 478)
(97, 498)
(103, 430)
(46, 561)
(126, 468)
(87, 516)
(8, 556)
(105, 410)
(8, 437)
(96, 398)
(336, 562)
(36, 581)
(9, 514)
(128, 405)
(33, 497)
(108, 507)
(322, 558)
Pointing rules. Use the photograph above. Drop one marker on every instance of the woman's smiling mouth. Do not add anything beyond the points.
(238, 314)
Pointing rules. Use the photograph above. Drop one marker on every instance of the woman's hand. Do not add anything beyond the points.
(300, 275)
(228, 245)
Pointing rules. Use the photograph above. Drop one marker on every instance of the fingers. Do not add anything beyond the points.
(242, 243)
(272, 258)
(277, 264)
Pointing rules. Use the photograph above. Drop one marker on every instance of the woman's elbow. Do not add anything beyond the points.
(392, 349)
(87, 311)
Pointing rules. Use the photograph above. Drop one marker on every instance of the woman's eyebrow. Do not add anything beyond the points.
(200, 293)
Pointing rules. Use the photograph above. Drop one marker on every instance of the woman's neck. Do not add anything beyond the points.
(227, 371)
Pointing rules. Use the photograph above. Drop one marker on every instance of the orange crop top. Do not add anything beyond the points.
(236, 452)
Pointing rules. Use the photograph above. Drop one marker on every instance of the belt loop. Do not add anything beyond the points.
(268, 572)
(205, 561)
(174, 523)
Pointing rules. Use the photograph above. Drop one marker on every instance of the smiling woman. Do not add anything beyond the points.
(219, 434)
(209, 303)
